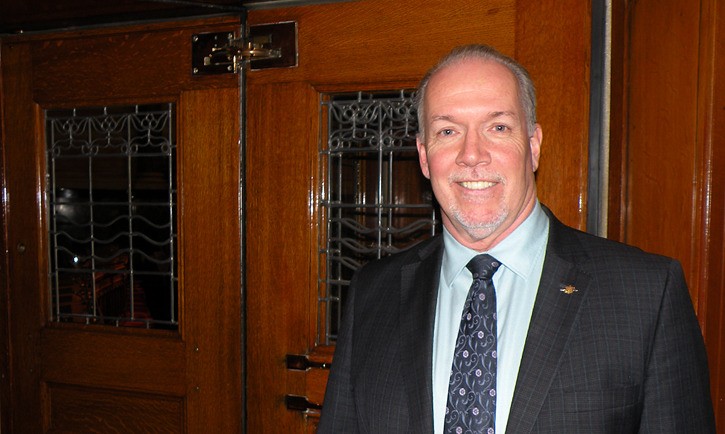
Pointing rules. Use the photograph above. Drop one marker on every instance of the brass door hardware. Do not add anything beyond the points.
(265, 46)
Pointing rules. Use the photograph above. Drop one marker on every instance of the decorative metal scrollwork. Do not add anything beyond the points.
(376, 201)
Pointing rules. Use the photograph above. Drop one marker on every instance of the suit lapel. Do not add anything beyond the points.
(561, 292)
(419, 291)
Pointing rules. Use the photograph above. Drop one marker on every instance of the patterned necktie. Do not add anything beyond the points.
(472, 390)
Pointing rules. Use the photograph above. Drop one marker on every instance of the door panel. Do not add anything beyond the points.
(280, 152)
(84, 377)
(374, 45)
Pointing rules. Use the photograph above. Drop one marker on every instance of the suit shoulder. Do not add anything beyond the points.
(585, 247)
(603, 247)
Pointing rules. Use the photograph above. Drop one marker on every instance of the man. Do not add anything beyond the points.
(588, 335)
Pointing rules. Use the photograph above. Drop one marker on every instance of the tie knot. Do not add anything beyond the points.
(483, 266)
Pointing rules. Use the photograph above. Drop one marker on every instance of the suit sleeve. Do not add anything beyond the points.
(676, 389)
(338, 407)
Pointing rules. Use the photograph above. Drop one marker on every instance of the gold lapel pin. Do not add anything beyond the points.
(568, 289)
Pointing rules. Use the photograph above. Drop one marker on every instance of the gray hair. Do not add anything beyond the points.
(527, 92)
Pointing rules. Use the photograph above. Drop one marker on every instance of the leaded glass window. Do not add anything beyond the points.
(375, 201)
(111, 187)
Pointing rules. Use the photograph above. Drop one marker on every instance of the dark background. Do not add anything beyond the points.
(22, 16)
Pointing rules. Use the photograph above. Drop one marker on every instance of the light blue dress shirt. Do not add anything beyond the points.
(516, 281)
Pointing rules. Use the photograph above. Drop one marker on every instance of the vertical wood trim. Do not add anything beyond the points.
(280, 229)
(21, 155)
(618, 122)
(209, 206)
(663, 204)
(562, 175)
(711, 143)
(704, 150)
(5, 385)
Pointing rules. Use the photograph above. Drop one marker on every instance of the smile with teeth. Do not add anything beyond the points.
(476, 185)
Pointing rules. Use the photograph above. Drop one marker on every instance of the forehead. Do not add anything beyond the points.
(472, 80)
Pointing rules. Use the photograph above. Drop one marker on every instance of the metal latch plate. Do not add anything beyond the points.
(221, 53)
(282, 36)
(207, 57)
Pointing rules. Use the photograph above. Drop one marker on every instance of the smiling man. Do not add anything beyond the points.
(511, 321)
(478, 151)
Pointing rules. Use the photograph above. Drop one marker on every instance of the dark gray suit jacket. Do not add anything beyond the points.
(622, 354)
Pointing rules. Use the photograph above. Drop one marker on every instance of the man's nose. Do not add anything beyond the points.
(474, 150)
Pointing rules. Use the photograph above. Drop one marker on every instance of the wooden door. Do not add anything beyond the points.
(379, 48)
(682, 100)
(73, 360)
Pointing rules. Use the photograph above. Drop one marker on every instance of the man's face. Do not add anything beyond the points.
(477, 151)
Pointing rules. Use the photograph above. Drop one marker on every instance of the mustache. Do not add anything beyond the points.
(477, 175)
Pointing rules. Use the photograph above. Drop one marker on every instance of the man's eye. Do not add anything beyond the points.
(446, 132)
(500, 128)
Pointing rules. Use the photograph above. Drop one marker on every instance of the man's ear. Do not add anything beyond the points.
(422, 157)
(535, 145)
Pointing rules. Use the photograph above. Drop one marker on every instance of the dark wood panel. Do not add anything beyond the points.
(113, 358)
(667, 193)
(370, 49)
(664, 165)
(75, 409)
(103, 65)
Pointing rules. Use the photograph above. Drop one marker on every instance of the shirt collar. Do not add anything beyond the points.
(516, 252)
